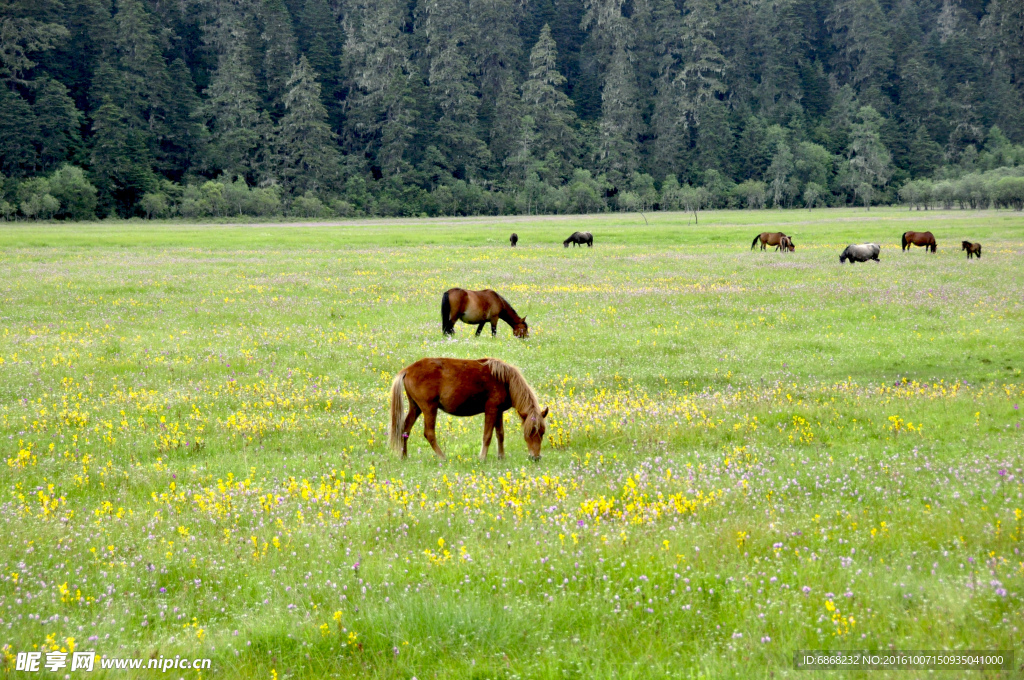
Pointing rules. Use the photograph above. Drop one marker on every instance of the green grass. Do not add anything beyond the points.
(728, 428)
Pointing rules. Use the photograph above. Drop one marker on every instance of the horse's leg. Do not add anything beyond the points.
(410, 420)
(429, 420)
(494, 327)
(480, 327)
(488, 430)
(499, 429)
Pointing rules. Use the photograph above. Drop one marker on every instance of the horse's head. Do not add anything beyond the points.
(533, 431)
(521, 330)
(965, 245)
(842, 256)
(565, 243)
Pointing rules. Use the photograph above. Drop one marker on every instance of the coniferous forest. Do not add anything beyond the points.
(313, 108)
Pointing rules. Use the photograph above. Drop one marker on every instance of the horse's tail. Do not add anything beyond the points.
(903, 245)
(754, 242)
(446, 314)
(397, 408)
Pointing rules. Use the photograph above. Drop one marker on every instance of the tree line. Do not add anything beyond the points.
(314, 108)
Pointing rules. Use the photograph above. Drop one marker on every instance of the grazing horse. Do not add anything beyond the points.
(513, 239)
(578, 238)
(785, 245)
(767, 239)
(919, 238)
(479, 307)
(860, 253)
(464, 387)
(971, 248)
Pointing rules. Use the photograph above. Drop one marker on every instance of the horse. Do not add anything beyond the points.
(971, 248)
(513, 239)
(860, 253)
(785, 245)
(767, 239)
(464, 387)
(479, 307)
(919, 238)
(578, 238)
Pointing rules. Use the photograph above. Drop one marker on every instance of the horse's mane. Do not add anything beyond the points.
(508, 306)
(524, 399)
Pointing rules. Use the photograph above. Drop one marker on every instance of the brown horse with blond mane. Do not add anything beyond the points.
(919, 238)
(479, 307)
(464, 387)
(768, 238)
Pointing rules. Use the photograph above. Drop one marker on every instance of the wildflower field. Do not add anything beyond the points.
(749, 453)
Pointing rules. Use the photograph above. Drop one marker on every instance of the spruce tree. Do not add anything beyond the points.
(279, 50)
(452, 88)
(870, 163)
(617, 147)
(381, 108)
(19, 129)
(239, 130)
(307, 149)
(121, 165)
(58, 124)
(185, 139)
(864, 55)
(550, 108)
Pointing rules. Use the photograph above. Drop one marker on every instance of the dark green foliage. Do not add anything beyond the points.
(390, 107)
(18, 155)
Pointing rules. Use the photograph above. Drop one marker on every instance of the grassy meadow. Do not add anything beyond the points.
(749, 453)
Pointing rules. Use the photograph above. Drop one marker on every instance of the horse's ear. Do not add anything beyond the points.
(544, 413)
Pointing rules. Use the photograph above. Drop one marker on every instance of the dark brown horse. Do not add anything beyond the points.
(971, 248)
(919, 238)
(579, 238)
(464, 387)
(513, 239)
(785, 245)
(767, 239)
(479, 307)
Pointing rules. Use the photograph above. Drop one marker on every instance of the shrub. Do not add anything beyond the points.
(76, 194)
(308, 205)
(155, 204)
(1009, 192)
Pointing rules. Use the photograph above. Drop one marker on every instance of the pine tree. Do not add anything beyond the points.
(307, 149)
(550, 108)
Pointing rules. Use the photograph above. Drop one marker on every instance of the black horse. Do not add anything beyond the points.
(578, 238)
(513, 239)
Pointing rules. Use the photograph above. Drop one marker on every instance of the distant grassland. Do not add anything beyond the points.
(750, 453)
